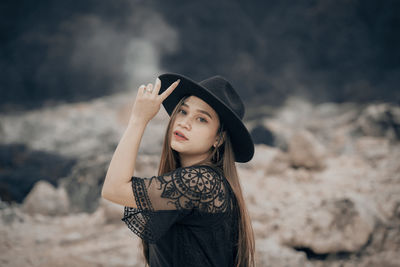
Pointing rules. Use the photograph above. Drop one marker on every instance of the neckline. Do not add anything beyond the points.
(214, 168)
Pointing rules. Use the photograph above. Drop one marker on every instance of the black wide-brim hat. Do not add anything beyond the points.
(220, 95)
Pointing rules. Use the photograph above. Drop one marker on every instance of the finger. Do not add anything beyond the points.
(157, 86)
(148, 89)
(141, 89)
(169, 90)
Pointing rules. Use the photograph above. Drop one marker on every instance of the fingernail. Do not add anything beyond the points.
(158, 80)
(178, 80)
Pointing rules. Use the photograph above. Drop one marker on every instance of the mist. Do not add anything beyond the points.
(340, 51)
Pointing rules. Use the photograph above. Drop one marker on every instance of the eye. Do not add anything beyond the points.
(201, 118)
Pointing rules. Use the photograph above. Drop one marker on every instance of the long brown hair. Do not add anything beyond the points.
(223, 159)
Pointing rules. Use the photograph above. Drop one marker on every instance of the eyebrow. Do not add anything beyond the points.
(199, 110)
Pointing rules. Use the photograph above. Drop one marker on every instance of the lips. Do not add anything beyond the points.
(178, 133)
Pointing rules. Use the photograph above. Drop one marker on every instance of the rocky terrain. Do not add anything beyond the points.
(323, 188)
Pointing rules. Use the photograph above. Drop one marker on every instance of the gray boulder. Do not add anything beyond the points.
(380, 120)
(45, 199)
(335, 226)
(306, 151)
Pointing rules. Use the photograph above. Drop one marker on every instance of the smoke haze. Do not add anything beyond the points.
(344, 50)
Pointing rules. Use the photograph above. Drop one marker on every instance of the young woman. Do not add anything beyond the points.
(193, 212)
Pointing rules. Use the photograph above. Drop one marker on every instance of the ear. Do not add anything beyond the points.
(222, 136)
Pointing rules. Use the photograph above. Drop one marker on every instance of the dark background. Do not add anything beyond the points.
(342, 50)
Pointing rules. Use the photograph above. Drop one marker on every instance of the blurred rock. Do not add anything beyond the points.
(269, 159)
(386, 259)
(295, 112)
(306, 151)
(85, 133)
(112, 212)
(372, 148)
(45, 199)
(262, 135)
(80, 130)
(281, 133)
(79, 239)
(332, 199)
(341, 225)
(271, 254)
(380, 120)
(11, 214)
(290, 117)
(22, 167)
(84, 183)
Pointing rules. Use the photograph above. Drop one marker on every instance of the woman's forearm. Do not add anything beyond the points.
(123, 162)
(117, 184)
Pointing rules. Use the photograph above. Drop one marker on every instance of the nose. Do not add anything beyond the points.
(185, 123)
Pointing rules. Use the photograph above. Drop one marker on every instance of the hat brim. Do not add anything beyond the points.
(242, 142)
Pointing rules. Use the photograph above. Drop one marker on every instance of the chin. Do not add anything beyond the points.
(174, 146)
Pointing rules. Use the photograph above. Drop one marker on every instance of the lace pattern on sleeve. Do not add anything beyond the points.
(198, 187)
(185, 189)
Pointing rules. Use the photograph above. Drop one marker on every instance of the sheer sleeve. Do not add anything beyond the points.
(163, 200)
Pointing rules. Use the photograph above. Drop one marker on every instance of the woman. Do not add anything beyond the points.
(193, 213)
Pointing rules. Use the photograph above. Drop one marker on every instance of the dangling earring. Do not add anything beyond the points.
(217, 147)
(216, 154)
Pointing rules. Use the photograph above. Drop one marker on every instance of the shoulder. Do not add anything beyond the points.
(205, 172)
(202, 169)
(196, 171)
(191, 172)
(199, 180)
(210, 182)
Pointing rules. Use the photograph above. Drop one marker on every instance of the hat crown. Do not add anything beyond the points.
(224, 91)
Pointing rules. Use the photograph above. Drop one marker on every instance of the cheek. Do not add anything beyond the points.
(206, 135)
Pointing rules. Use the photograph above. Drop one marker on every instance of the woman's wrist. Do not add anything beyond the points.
(137, 121)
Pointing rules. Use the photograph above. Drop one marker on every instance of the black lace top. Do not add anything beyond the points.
(186, 216)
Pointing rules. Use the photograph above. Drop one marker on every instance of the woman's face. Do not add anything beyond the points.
(199, 123)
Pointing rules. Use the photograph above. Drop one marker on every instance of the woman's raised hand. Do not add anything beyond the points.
(148, 101)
